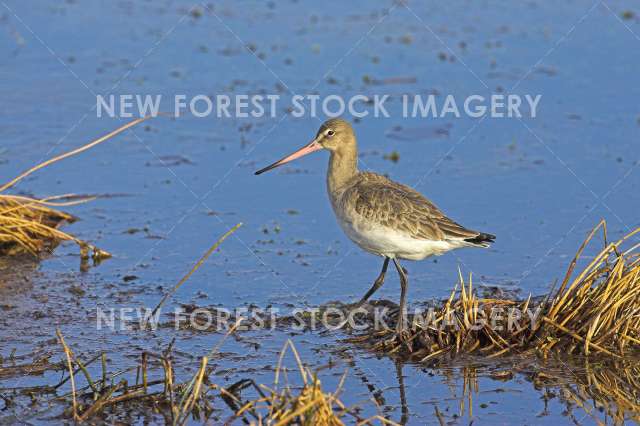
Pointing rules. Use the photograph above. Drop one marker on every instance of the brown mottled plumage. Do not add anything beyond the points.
(381, 216)
(391, 204)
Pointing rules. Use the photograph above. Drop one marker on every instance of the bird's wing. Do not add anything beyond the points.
(384, 202)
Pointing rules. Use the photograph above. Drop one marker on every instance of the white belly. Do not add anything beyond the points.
(392, 243)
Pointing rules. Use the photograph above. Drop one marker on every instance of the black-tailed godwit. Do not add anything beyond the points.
(381, 216)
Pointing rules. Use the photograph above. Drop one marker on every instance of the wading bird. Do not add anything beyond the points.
(381, 216)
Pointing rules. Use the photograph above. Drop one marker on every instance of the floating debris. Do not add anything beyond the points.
(393, 156)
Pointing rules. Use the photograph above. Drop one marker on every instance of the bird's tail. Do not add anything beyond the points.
(481, 240)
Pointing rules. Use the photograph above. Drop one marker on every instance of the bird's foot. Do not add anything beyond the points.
(403, 337)
(399, 341)
(403, 334)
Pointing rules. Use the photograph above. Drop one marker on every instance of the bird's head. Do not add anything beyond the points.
(334, 135)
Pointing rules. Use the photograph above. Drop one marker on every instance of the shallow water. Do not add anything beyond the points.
(538, 184)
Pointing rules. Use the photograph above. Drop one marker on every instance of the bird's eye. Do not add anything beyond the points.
(331, 133)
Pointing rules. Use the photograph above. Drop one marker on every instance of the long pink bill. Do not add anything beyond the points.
(307, 149)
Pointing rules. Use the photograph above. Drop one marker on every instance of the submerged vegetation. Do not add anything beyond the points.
(31, 225)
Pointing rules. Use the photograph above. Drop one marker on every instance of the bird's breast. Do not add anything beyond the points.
(382, 240)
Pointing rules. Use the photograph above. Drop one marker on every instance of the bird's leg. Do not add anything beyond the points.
(404, 285)
(376, 284)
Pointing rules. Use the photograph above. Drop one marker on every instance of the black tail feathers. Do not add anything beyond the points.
(482, 239)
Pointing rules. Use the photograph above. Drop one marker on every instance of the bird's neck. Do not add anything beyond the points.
(343, 165)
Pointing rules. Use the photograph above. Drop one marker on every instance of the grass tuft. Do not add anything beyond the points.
(594, 311)
(30, 225)
(309, 405)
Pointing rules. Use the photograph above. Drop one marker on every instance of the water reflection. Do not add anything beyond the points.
(605, 392)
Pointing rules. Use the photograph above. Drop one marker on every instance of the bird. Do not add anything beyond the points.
(382, 217)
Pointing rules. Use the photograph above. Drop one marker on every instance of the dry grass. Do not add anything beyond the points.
(195, 267)
(595, 311)
(608, 392)
(309, 405)
(195, 399)
(180, 400)
(111, 393)
(31, 225)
